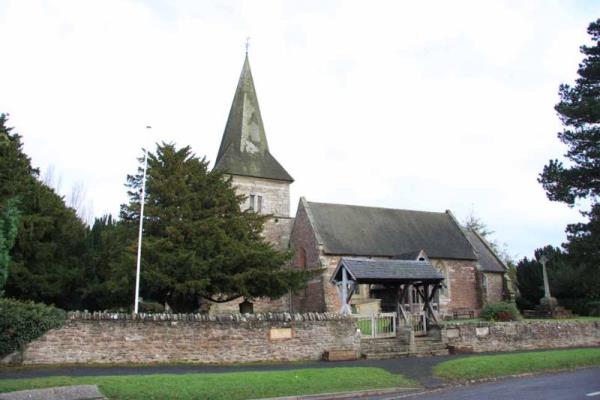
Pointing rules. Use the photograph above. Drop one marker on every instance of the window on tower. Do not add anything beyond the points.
(259, 204)
(251, 206)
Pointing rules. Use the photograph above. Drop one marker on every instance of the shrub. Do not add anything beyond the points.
(21, 322)
(151, 307)
(503, 311)
(593, 308)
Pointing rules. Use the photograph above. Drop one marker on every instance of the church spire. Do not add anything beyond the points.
(244, 149)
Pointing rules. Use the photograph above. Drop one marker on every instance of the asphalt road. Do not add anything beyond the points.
(580, 384)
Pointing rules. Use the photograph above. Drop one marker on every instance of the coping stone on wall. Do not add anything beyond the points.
(159, 317)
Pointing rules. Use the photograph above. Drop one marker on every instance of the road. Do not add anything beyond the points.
(581, 384)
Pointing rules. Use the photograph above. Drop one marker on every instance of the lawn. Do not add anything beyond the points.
(479, 367)
(230, 386)
(477, 321)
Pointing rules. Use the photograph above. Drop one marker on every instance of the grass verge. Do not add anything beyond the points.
(477, 321)
(481, 367)
(230, 386)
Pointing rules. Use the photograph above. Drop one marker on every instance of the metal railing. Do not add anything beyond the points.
(382, 325)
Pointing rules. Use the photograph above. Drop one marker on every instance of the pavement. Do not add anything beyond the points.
(80, 392)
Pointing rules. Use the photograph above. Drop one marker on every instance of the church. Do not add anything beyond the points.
(397, 260)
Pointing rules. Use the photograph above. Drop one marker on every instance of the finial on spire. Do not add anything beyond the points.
(247, 44)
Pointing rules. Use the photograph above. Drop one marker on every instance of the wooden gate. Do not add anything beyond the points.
(375, 326)
(419, 323)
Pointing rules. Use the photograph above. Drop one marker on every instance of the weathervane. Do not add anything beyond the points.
(247, 44)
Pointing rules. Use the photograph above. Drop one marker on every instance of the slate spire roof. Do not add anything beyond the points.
(244, 149)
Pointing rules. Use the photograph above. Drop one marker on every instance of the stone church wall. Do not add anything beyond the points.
(495, 287)
(306, 255)
(275, 194)
(463, 285)
(277, 231)
(193, 338)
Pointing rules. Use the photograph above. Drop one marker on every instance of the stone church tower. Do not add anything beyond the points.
(244, 155)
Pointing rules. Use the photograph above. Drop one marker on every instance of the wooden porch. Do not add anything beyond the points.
(403, 279)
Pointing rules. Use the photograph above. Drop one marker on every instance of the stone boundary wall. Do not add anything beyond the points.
(154, 338)
(525, 335)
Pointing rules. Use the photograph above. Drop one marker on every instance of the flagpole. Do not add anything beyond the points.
(136, 300)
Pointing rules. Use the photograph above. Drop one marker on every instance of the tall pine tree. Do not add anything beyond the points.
(579, 111)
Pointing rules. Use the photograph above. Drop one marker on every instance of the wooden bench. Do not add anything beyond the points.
(340, 355)
(463, 313)
(537, 314)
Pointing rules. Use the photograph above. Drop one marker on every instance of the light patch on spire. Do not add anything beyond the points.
(250, 141)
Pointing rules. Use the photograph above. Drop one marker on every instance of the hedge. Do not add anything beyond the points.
(21, 322)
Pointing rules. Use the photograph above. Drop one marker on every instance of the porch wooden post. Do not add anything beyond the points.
(401, 295)
(428, 298)
(345, 309)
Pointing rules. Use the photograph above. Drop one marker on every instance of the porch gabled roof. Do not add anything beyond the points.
(387, 271)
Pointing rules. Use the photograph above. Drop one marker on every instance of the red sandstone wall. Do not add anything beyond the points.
(464, 285)
(193, 338)
(495, 285)
(311, 299)
(526, 335)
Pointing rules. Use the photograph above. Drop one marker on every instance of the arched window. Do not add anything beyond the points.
(302, 263)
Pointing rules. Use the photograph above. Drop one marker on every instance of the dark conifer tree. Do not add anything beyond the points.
(46, 258)
(198, 243)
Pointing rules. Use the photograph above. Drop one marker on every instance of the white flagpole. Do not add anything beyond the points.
(139, 250)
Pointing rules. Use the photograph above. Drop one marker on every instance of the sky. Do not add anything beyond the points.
(428, 105)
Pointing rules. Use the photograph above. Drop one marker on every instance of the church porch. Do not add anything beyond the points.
(404, 294)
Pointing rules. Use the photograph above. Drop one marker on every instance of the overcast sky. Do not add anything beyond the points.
(417, 105)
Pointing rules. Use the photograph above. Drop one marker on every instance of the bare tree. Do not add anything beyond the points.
(51, 180)
(474, 223)
(77, 197)
(78, 201)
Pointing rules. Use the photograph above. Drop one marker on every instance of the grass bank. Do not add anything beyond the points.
(480, 367)
(226, 386)
(477, 321)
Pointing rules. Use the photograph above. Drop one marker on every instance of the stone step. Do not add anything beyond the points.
(443, 352)
(432, 346)
(385, 356)
(426, 339)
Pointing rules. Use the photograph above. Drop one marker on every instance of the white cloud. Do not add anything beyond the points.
(426, 105)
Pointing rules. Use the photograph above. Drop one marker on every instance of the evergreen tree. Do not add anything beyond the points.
(16, 172)
(9, 218)
(46, 258)
(106, 287)
(198, 244)
(564, 279)
(579, 111)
